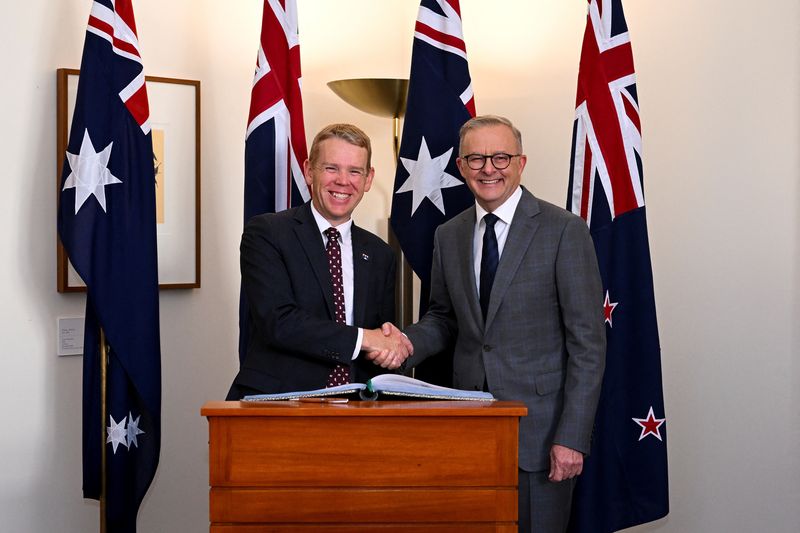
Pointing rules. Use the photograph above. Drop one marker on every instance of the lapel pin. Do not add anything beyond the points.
(364, 257)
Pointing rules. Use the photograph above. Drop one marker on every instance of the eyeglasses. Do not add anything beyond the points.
(500, 160)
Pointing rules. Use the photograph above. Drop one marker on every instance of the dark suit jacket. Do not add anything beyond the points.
(295, 341)
(543, 342)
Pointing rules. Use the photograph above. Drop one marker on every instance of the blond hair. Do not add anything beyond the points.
(346, 132)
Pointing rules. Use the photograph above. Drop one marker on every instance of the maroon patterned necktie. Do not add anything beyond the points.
(341, 374)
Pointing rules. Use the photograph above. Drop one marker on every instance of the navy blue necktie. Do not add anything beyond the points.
(489, 260)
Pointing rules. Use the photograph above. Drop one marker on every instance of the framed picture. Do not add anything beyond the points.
(175, 121)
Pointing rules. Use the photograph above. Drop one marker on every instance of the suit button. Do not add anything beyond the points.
(487, 348)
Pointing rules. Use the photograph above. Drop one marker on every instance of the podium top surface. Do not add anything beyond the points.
(289, 408)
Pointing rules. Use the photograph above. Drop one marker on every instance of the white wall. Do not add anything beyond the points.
(719, 88)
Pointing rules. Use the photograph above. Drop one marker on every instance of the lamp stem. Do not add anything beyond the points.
(404, 303)
(396, 139)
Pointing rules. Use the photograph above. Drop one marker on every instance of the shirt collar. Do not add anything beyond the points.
(323, 224)
(505, 212)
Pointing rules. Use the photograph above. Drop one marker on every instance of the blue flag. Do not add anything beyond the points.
(275, 146)
(428, 188)
(624, 481)
(107, 224)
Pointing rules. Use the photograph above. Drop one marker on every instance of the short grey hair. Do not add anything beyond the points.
(482, 121)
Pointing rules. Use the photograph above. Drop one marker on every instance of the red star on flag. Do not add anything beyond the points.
(608, 308)
(650, 425)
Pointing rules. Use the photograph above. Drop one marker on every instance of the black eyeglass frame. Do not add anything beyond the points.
(471, 159)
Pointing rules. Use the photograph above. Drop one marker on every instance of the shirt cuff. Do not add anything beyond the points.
(358, 344)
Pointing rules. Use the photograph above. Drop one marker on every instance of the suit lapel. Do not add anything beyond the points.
(465, 235)
(362, 267)
(520, 234)
(308, 234)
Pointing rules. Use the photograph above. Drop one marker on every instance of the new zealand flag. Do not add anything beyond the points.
(275, 146)
(107, 223)
(624, 481)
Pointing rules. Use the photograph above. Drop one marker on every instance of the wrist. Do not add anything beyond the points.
(368, 341)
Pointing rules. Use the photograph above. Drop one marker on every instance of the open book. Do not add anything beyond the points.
(384, 384)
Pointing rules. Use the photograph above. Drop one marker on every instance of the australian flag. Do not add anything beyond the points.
(428, 189)
(275, 146)
(107, 223)
(624, 481)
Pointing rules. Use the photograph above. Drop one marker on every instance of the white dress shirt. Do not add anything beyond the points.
(346, 244)
(505, 213)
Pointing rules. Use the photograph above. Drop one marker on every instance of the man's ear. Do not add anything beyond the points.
(368, 181)
(461, 164)
(307, 171)
(523, 160)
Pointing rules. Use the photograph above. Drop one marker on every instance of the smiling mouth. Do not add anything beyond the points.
(490, 182)
(339, 195)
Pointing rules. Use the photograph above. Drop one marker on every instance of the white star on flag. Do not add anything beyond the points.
(133, 430)
(117, 433)
(427, 178)
(90, 173)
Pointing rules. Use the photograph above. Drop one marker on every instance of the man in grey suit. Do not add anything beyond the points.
(523, 300)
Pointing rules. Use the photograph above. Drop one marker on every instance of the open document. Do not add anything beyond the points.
(393, 385)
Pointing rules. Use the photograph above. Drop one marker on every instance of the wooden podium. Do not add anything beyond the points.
(360, 466)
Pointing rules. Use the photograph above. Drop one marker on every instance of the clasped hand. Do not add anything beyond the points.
(387, 347)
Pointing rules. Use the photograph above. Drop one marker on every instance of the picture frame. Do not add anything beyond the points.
(175, 119)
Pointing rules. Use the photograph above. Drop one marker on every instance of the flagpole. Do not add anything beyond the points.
(385, 97)
(404, 294)
(103, 375)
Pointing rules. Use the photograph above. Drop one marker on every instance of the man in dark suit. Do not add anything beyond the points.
(316, 283)
(515, 281)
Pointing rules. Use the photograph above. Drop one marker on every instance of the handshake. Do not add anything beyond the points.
(387, 347)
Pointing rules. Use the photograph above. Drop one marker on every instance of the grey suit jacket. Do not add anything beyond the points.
(543, 342)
